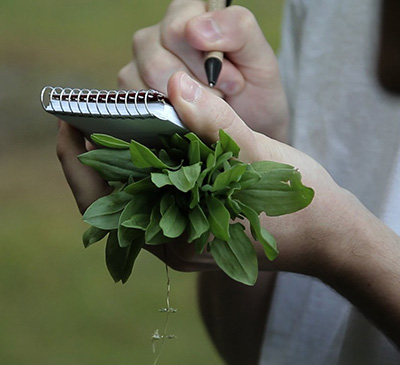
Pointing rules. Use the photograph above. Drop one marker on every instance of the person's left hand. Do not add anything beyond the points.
(205, 114)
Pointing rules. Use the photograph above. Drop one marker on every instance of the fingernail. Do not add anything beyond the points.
(208, 28)
(190, 89)
(230, 87)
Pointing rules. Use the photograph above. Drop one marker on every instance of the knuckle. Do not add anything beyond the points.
(122, 78)
(172, 33)
(139, 38)
(147, 73)
(243, 17)
(176, 5)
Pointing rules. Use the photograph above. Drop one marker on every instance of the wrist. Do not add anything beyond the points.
(336, 234)
(355, 243)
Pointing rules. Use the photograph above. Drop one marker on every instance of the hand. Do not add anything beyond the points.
(302, 237)
(86, 185)
(249, 79)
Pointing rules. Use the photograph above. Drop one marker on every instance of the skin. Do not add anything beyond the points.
(335, 239)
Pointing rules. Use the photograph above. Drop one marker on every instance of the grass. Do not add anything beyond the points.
(58, 305)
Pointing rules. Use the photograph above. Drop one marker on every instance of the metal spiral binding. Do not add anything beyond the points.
(63, 97)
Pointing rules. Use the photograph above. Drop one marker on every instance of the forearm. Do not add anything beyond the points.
(367, 273)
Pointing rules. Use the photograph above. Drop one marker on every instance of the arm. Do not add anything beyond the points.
(335, 239)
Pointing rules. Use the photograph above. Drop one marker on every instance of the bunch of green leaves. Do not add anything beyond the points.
(191, 191)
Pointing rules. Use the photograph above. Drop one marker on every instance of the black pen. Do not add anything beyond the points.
(213, 59)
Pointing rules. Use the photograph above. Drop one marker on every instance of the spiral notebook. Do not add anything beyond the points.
(125, 114)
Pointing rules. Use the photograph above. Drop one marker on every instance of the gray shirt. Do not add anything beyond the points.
(343, 119)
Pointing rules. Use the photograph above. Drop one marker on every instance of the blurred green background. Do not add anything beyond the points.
(58, 305)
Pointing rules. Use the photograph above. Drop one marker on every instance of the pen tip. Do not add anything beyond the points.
(213, 68)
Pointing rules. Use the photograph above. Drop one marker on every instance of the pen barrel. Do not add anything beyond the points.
(216, 5)
(215, 54)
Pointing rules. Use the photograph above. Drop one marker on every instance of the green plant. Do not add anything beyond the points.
(188, 190)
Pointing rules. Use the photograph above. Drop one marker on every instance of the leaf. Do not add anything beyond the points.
(159, 179)
(120, 260)
(211, 161)
(134, 250)
(109, 141)
(93, 235)
(179, 142)
(194, 152)
(232, 188)
(236, 257)
(224, 157)
(220, 161)
(265, 166)
(143, 157)
(260, 234)
(139, 204)
(195, 197)
(104, 212)
(166, 158)
(185, 178)
(144, 185)
(198, 223)
(224, 179)
(249, 179)
(172, 222)
(204, 149)
(201, 242)
(166, 201)
(138, 221)
(233, 207)
(278, 192)
(154, 234)
(218, 150)
(228, 144)
(201, 178)
(218, 218)
(165, 141)
(112, 165)
(116, 256)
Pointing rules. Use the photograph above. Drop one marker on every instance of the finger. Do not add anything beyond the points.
(172, 35)
(205, 114)
(155, 64)
(235, 31)
(86, 185)
(129, 78)
(173, 38)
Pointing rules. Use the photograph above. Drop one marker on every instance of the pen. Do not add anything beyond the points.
(213, 59)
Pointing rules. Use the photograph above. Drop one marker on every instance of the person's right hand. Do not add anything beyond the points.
(249, 80)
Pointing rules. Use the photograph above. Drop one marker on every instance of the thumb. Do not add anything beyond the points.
(205, 114)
